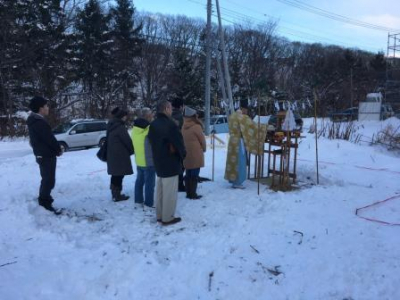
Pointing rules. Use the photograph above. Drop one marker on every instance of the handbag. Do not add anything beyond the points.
(102, 153)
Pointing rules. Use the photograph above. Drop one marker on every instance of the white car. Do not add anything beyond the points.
(81, 134)
(219, 124)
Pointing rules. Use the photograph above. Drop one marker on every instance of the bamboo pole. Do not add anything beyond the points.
(258, 146)
(213, 153)
(316, 132)
(207, 72)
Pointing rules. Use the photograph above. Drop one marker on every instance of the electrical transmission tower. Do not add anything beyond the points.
(393, 49)
(392, 90)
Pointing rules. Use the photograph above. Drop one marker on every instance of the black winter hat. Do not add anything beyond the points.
(36, 103)
(119, 113)
(177, 103)
(244, 104)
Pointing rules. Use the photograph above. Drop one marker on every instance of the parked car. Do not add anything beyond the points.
(219, 124)
(386, 111)
(81, 134)
(349, 114)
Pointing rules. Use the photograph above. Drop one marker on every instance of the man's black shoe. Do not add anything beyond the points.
(52, 209)
(173, 221)
(47, 204)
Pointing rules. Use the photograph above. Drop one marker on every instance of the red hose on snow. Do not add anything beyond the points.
(374, 204)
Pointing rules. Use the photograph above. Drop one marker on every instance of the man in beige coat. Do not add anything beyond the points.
(195, 144)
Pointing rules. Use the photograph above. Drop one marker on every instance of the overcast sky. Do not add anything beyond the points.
(298, 24)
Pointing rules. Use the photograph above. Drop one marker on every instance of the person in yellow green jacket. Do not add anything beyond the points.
(146, 173)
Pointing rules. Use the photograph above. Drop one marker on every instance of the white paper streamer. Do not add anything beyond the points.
(277, 106)
(289, 123)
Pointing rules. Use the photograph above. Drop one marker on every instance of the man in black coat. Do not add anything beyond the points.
(177, 115)
(45, 148)
(168, 153)
(177, 111)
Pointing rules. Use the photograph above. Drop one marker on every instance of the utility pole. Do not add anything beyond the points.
(208, 64)
(221, 79)
(225, 61)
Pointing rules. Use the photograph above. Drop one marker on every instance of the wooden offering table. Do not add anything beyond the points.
(281, 153)
(282, 158)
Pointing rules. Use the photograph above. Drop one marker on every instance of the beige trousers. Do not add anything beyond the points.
(166, 197)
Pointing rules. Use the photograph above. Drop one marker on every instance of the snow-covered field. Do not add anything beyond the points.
(232, 244)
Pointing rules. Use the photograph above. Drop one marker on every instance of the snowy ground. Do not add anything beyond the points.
(232, 244)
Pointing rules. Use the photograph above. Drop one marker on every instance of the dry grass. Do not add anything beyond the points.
(389, 137)
(339, 130)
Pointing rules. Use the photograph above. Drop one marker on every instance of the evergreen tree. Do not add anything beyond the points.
(127, 46)
(186, 79)
(94, 57)
(32, 50)
(378, 64)
(10, 34)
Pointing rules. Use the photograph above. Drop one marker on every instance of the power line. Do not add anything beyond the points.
(229, 13)
(296, 32)
(284, 29)
(263, 14)
(334, 16)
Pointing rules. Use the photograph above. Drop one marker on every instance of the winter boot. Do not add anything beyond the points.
(116, 194)
(195, 181)
(193, 187)
(47, 204)
(113, 192)
(122, 196)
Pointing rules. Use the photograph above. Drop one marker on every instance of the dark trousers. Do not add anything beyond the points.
(47, 166)
(192, 173)
(117, 180)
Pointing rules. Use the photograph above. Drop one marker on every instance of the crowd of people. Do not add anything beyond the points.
(164, 147)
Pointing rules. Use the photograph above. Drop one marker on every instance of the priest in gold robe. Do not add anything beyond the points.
(243, 137)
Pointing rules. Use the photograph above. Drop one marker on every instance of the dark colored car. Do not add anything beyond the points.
(349, 114)
(386, 111)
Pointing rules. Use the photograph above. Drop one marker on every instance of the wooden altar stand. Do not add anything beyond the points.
(281, 150)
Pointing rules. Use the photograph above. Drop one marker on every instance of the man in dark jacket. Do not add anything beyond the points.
(168, 154)
(177, 115)
(45, 148)
(177, 111)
